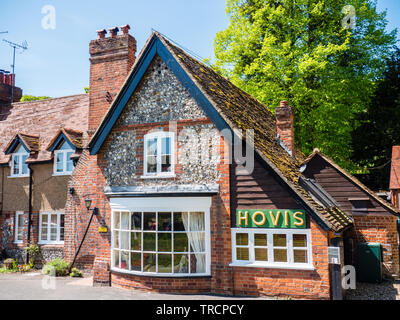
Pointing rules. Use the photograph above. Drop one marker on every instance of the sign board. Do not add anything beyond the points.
(334, 255)
(103, 229)
(277, 219)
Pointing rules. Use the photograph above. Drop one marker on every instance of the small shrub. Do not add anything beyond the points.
(34, 254)
(75, 273)
(59, 266)
(24, 268)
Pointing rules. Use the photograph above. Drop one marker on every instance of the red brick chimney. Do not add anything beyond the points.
(395, 176)
(111, 59)
(285, 125)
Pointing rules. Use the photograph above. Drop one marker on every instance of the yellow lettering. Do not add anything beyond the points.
(245, 218)
(275, 221)
(259, 223)
(287, 218)
(300, 220)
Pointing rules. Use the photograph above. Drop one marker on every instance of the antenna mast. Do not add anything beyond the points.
(23, 46)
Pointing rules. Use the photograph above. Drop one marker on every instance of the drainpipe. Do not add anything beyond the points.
(30, 208)
(336, 274)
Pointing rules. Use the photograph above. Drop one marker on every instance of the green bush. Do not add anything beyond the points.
(75, 273)
(34, 254)
(59, 266)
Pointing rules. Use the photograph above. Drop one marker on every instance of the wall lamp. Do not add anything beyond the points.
(88, 204)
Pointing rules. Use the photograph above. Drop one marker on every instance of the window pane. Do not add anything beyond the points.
(166, 164)
(242, 239)
(136, 261)
(181, 242)
(16, 161)
(164, 221)
(24, 165)
(242, 254)
(124, 260)
(152, 147)
(280, 255)
(149, 262)
(197, 242)
(279, 240)
(136, 241)
(116, 220)
(125, 220)
(116, 240)
(261, 254)
(178, 221)
(116, 259)
(299, 240)
(125, 240)
(136, 221)
(197, 263)
(166, 146)
(53, 228)
(300, 256)
(149, 241)
(181, 263)
(44, 227)
(150, 221)
(151, 164)
(164, 242)
(165, 263)
(70, 163)
(197, 221)
(62, 217)
(260, 240)
(60, 162)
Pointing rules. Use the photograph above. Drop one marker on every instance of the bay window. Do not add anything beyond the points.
(159, 154)
(272, 248)
(161, 241)
(51, 229)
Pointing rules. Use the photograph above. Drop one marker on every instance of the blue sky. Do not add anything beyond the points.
(57, 62)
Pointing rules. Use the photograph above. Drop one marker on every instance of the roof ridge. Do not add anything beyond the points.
(43, 100)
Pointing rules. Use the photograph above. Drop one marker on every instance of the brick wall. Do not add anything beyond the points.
(380, 229)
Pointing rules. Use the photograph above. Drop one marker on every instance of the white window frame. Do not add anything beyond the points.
(17, 214)
(49, 214)
(65, 160)
(271, 264)
(201, 204)
(159, 174)
(19, 154)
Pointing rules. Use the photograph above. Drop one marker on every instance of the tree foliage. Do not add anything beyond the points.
(300, 51)
(26, 98)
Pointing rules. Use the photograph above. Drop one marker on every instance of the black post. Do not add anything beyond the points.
(95, 212)
(30, 210)
(336, 275)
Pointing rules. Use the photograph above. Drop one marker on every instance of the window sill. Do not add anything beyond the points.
(161, 176)
(273, 266)
(160, 275)
(50, 244)
(62, 174)
(17, 177)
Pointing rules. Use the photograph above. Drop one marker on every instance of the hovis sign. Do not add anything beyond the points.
(279, 219)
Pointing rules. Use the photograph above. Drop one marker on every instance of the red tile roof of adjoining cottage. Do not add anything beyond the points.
(43, 118)
(73, 136)
(30, 141)
(395, 171)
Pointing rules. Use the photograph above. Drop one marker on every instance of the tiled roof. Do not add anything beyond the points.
(242, 111)
(73, 136)
(354, 180)
(395, 169)
(31, 142)
(40, 121)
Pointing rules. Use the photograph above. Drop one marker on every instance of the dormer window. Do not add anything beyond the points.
(19, 167)
(63, 164)
(159, 151)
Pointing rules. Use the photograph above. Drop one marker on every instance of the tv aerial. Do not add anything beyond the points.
(23, 47)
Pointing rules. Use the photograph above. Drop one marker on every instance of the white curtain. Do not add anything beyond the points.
(195, 228)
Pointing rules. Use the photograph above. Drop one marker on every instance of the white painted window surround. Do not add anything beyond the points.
(19, 169)
(51, 228)
(268, 251)
(159, 155)
(19, 227)
(63, 165)
(147, 236)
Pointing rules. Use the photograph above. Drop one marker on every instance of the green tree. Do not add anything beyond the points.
(26, 98)
(379, 128)
(303, 51)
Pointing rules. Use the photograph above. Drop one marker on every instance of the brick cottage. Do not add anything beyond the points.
(194, 186)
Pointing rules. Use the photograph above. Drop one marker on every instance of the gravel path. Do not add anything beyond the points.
(387, 290)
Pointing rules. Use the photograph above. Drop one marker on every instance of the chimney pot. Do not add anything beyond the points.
(101, 34)
(113, 32)
(125, 29)
(284, 104)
